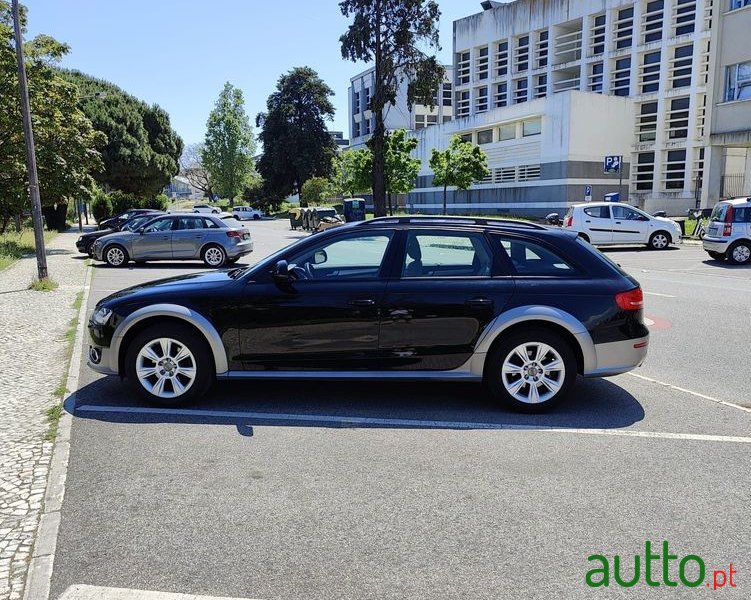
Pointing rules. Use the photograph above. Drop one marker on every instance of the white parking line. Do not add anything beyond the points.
(658, 294)
(402, 423)
(693, 393)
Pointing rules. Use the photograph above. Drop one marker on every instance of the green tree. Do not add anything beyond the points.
(390, 33)
(401, 168)
(461, 164)
(351, 172)
(66, 143)
(296, 142)
(142, 150)
(228, 150)
(314, 190)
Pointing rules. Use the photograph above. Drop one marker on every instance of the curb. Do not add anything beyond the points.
(39, 574)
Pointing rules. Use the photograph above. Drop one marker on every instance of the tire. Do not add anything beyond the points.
(504, 386)
(179, 382)
(585, 237)
(740, 252)
(659, 240)
(716, 255)
(232, 261)
(214, 256)
(90, 250)
(116, 256)
(256, 217)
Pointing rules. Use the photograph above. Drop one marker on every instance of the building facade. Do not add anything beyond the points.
(398, 116)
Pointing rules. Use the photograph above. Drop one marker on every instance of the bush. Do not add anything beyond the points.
(158, 202)
(122, 201)
(101, 207)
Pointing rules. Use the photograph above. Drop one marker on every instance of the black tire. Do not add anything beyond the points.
(716, 255)
(659, 240)
(494, 377)
(202, 361)
(584, 236)
(90, 250)
(256, 217)
(739, 252)
(208, 254)
(115, 256)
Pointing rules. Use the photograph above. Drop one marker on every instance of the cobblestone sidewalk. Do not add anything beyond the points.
(32, 366)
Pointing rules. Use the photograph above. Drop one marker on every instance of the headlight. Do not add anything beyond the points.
(101, 315)
(80, 239)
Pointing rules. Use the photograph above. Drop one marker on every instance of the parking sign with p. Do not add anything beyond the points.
(613, 164)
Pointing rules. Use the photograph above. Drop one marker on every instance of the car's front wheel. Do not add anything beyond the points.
(531, 370)
(659, 240)
(116, 256)
(213, 256)
(169, 364)
(740, 252)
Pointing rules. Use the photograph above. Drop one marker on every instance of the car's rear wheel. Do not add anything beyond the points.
(213, 256)
(716, 255)
(659, 240)
(531, 370)
(116, 256)
(256, 217)
(740, 252)
(169, 364)
(584, 236)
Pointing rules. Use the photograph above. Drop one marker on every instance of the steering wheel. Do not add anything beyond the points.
(304, 272)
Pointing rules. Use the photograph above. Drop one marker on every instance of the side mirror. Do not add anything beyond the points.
(281, 272)
(320, 257)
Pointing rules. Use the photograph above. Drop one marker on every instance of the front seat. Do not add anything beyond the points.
(414, 269)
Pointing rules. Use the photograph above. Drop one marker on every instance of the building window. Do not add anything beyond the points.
(355, 129)
(481, 63)
(481, 99)
(356, 102)
(446, 118)
(541, 86)
(542, 49)
(529, 172)
(597, 41)
(680, 70)
(432, 119)
(684, 16)
(505, 175)
(595, 77)
(447, 94)
(462, 104)
(507, 132)
(367, 99)
(650, 73)
(645, 170)
(501, 59)
(739, 4)
(522, 53)
(500, 95)
(485, 136)
(466, 137)
(624, 28)
(738, 82)
(675, 169)
(678, 118)
(647, 123)
(419, 121)
(366, 127)
(621, 77)
(462, 68)
(520, 91)
(652, 21)
(531, 127)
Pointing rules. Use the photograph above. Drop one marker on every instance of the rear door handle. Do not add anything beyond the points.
(362, 302)
(617, 222)
(480, 302)
(587, 221)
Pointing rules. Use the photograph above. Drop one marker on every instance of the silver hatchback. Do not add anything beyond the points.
(217, 242)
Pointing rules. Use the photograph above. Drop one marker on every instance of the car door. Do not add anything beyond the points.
(327, 316)
(448, 288)
(629, 226)
(155, 242)
(188, 237)
(597, 223)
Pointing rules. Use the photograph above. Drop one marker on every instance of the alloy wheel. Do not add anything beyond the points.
(214, 257)
(166, 367)
(533, 372)
(115, 256)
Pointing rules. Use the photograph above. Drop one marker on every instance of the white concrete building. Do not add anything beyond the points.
(665, 83)
(398, 116)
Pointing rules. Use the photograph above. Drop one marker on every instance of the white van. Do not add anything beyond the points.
(244, 213)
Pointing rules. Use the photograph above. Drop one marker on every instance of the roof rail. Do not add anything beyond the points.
(427, 220)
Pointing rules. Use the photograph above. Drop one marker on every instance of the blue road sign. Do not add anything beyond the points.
(588, 190)
(613, 164)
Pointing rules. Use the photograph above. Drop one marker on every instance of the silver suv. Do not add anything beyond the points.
(729, 233)
(215, 241)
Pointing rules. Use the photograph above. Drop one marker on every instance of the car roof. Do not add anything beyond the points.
(585, 204)
(736, 201)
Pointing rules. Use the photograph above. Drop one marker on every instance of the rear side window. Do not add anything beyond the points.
(529, 258)
(190, 223)
(718, 213)
(598, 212)
(209, 224)
(437, 254)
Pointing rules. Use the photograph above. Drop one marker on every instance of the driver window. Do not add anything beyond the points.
(160, 225)
(621, 212)
(354, 257)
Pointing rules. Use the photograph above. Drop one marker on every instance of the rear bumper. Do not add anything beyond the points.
(713, 244)
(614, 358)
(240, 249)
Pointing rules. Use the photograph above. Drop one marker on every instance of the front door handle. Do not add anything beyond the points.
(480, 302)
(362, 302)
(617, 222)
(587, 221)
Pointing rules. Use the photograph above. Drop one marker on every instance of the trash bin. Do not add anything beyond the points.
(354, 210)
(305, 218)
(613, 197)
(295, 218)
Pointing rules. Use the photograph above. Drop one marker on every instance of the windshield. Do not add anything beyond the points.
(136, 222)
(718, 213)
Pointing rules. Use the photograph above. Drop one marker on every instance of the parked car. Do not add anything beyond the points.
(518, 306)
(114, 222)
(244, 213)
(616, 223)
(729, 233)
(176, 237)
(206, 208)
(86, 241)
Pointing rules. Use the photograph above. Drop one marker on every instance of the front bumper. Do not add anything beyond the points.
(614, 358)
(101, 360)
(713, 244)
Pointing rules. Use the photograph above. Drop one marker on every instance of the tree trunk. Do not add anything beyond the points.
(444, 198)
(377, 142)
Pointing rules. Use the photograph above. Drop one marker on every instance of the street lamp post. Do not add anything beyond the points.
(36, 203)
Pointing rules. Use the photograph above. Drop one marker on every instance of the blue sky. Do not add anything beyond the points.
(179, 53)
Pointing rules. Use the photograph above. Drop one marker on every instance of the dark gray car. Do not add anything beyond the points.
(188, 236)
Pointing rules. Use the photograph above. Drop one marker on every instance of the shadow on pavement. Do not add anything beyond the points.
(617, 249)
(155, 264)
(593, 404)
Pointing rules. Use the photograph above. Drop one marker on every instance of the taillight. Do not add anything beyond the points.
(569, 221)
(727, 229)
(630, 300)
(234, 234)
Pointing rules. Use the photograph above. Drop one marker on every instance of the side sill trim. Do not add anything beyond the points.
(349, 375)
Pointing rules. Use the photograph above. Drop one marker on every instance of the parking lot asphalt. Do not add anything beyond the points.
(360, 490)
